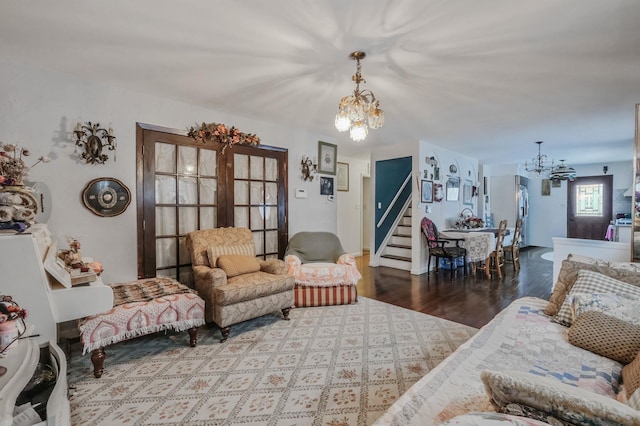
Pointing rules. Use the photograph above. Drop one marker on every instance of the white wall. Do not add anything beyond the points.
(443, 213)
(349, 204)
(38, 111)
(548, 214)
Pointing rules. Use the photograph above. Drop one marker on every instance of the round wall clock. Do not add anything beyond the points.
(106, 197)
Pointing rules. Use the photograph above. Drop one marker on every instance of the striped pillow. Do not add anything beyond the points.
(215, 251)
(592, 282)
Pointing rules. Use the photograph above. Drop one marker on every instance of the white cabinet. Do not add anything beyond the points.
(623, 233)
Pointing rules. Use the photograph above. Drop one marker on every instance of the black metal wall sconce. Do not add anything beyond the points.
(94, 139)
(308, 169)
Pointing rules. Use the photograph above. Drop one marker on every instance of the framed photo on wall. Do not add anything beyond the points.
(546, 186)
(438, 192)
(342, 179)
(326, 185)
(467, 193)
(453, 188)
(427, 191)
(327, 157)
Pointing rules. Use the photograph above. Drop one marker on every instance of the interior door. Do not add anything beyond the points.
(589, 207)
(183, 186)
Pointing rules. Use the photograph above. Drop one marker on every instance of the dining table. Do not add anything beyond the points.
(479, 242)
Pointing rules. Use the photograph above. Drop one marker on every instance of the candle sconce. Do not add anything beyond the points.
(308, 169)
(94, 139)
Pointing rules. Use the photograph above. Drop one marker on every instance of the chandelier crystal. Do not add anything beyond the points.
(538, 163)
(362, 108)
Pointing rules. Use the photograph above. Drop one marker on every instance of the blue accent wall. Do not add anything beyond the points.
(390, 175)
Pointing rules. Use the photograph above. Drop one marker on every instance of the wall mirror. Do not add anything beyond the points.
(453, 188)
(635, 241)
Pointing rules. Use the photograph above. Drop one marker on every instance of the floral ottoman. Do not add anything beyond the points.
(142, 307)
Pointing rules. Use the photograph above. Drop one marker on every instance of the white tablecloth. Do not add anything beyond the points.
(479, 245)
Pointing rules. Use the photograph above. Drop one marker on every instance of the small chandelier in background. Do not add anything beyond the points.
(538, 163)
(563, 172)
(356, 110)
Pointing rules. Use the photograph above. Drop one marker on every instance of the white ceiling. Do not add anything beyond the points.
(486, 78)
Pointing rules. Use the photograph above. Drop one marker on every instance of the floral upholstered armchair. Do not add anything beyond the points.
(234, 283)
(324, 273)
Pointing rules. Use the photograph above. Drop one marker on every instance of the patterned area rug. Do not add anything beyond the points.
(333, 365)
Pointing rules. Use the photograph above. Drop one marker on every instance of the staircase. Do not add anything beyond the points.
(397, 253)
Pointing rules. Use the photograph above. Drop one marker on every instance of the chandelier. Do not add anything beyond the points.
(359, 109)
(563, 172)
(538, 163)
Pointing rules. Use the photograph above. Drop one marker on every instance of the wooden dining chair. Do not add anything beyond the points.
(495, 261)
(512, 251)
(438, 248)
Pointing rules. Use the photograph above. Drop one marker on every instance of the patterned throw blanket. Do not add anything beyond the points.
(146, 289)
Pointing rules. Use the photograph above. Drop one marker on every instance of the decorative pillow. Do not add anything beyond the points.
(626, 308)
(569, 272)
(606, 335)
(593, 282)
(549, 400)
(631, 380)
(626, 266)
(238, 264)
(214, 251)
(588, 260)
(491, 419)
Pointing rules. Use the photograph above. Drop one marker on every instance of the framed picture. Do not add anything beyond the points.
(326, 185)
(427, 191)
(438, 192)
(453, 188)
(106, 197)
(327, 156)
(467, 193)
(342, 178)
(546, 187)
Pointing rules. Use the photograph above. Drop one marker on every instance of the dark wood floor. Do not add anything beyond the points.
(470, 300)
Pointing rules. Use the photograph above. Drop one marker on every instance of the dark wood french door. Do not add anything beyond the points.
(183, 186)
(589, 207)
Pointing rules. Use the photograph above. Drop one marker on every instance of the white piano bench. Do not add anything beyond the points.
(142, 307)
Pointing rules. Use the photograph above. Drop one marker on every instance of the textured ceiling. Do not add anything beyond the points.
(487, 78)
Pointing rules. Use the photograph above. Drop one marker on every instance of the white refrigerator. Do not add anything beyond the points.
(510, 200)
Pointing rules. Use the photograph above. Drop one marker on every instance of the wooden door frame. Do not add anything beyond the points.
(145, 191)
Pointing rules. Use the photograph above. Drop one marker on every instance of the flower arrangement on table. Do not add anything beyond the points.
(227, 136)
(467, 220)
(473, 222)
(13, 169)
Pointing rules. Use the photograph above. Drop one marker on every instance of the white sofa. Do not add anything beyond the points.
(521, 339)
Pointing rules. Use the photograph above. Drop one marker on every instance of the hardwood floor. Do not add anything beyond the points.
(470, 300)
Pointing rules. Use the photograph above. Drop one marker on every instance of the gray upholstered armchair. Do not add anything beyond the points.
(235, 285)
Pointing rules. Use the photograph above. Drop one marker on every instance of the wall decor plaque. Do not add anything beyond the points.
(106, 197)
